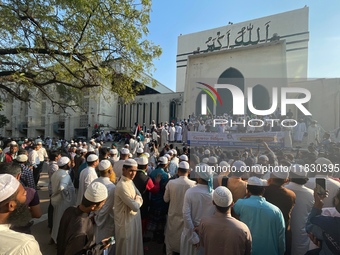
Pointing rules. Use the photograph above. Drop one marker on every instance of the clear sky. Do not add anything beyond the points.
(169, 19)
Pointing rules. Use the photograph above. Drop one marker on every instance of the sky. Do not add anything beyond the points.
(169, 19)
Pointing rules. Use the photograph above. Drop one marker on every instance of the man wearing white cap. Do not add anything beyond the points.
(301, 210)
(145, 185)
(14, 211)
(222, 233)
(268, 230)
(174, 193)
(118, 166)
(76, 232)
(159, 208)
(113, 156)
(63, 193)
(104, 218)
(282, 197)
(139, 152)
(324, 165)
(197, 205)
(26, 176)
(87, 176)
(173, 166)
(127, 201)
(33, 158)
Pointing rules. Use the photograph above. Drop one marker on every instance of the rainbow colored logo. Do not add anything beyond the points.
(211, 89)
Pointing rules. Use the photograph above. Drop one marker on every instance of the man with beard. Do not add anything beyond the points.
(14, 211)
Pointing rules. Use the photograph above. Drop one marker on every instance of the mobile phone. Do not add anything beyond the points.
(320, 184)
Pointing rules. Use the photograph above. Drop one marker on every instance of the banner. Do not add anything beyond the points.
(239, 140)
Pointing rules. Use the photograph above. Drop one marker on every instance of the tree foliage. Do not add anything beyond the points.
(59, 47)
(3, 119)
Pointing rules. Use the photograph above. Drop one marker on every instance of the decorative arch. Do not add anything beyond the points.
(229, 76)
(261, 98)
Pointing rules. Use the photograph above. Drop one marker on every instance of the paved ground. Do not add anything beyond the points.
(41, 231)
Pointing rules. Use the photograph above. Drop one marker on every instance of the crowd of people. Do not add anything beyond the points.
(193, 200)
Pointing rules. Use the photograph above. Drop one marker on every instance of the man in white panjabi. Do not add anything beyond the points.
(104, 217)
(174, 193)
(172, 132)
(197, 205)
(87, 176)
(127, 201)
(313, 133)
(299, 131)
(63, 193)
(164, 136)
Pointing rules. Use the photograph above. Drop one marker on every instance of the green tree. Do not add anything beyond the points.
(60, 47)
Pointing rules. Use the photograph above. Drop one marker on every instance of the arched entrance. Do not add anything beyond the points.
(230, 76)
(261, 99)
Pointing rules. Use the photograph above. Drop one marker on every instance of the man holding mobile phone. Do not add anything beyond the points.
(324, 230)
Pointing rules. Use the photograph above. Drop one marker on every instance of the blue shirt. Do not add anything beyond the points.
(266, 225)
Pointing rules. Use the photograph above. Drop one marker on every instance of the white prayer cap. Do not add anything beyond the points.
(130, 155)
(239, 165)
(91, 158)
(206, 152)
(163, 160)
(12, 143)
(212, 160)
(8, 186)
(22, 158)
(170, 152)
(83, 150)
(125, 151)
(174, 151)
(322, 161)
(257, 169)
(76, 144)
(130, 162)
(98, 145)
(39, 142)
(72, 141)
(255, 181)
(63, 161)
(205, 160)
(184, 165)
(142, 161)
(140, 150)
(222, 196)
(298, 170)
(264, 157)
(114, 151)
(91, 150)
(146, 154)
(183, 157)
(84, 143)
(167, 156)
(280, 172)
(104, 165)
(96, 192)
(224, 164)
(92, 140)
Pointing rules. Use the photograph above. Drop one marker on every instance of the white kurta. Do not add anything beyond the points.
(174, 193)
(104, 219)
(299, 131)
(197, 205)
(179, 134)
(13, 243)
(87, 176)
(128, 224)
(63, 196)
(172, 132)
(303, 206)
(164, 137)
(313, 135)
